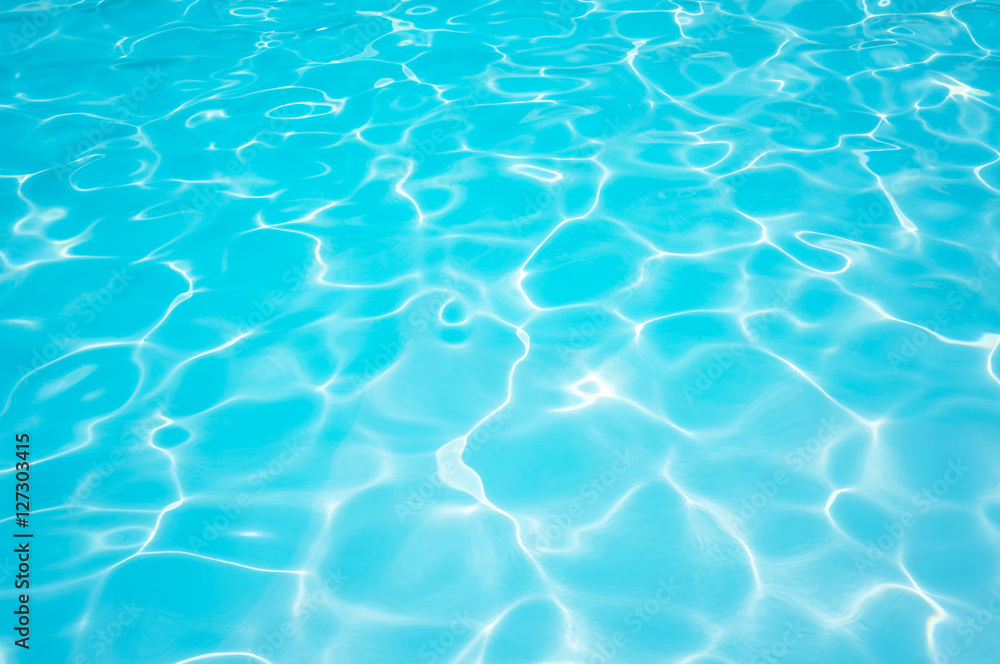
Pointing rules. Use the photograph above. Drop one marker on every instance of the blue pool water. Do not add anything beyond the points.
(502, 332)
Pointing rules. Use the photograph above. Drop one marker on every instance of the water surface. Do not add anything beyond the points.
(504, 332)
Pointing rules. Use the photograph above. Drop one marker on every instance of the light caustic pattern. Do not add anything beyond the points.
(504, 332)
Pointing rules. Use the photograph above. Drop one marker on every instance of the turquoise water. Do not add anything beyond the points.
(503, 332)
